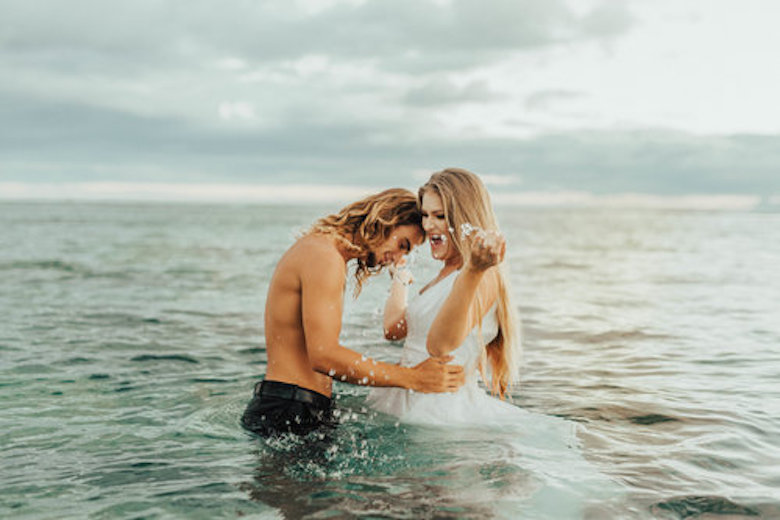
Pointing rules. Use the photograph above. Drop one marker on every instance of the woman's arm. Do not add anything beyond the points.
(394, 322)
(477, 280)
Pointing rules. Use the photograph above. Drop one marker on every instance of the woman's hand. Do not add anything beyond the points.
(399, 273)
(487, 248)
(394, 320)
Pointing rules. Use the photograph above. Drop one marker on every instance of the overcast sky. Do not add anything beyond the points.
(662, 97)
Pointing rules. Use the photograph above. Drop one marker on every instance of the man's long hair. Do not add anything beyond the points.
(363, 226)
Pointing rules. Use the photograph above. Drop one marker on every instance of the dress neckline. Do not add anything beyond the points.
(428, 288)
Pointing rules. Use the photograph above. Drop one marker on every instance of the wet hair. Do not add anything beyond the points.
(364, 225)
(466, 201)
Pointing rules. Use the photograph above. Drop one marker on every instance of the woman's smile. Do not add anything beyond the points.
(436, 228)
(438, 244)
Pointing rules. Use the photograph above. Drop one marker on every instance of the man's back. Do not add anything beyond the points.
(307, 262)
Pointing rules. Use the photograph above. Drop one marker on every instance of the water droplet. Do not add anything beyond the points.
(332, 372)
(466, 229)
(364, 380)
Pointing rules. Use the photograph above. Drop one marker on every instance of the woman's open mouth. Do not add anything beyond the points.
(437, 240)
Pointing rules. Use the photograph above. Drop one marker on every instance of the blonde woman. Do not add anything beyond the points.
(465, 311)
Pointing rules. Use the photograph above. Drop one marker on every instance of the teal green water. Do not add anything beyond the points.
(131, 335)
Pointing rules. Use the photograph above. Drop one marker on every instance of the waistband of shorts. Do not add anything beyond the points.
(292, 393)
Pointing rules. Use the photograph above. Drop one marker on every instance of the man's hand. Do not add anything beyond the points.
(434, 375)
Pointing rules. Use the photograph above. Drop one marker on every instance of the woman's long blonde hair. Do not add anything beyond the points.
(466, 201)
(364, 225)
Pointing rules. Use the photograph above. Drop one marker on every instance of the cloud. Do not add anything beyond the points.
(339, 92)
(236, 110)
(628, 200)
(440, 91)
(211, 192)
(273, 30)
(607, 20)
(544, 99)
(49, 141)
(342, 194)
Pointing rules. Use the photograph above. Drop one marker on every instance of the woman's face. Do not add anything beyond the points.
(436, 227)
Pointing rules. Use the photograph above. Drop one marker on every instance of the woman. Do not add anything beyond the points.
(465, 311)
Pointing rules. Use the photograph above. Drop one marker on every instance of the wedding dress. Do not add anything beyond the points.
(556, 478)
(471, 403)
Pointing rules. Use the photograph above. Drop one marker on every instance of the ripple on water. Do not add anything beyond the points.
(584, 336)
(165, 357)
(65, 270)
(653, 418)
(47, 264)
(694, 506)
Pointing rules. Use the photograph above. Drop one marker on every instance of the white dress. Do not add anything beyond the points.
(471, 403)
(555, 479)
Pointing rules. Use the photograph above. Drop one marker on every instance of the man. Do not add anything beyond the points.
(303, 316)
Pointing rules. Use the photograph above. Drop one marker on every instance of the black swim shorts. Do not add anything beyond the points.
(284, 408)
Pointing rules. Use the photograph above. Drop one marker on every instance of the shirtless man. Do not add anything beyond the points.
(303, 317)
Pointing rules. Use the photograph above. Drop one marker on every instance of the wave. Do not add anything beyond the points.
(68, 269)
(165, 357)
(693, 506)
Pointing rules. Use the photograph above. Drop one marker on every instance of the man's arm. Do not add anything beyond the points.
(322, 289)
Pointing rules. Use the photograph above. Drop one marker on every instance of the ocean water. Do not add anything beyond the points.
(131, 336)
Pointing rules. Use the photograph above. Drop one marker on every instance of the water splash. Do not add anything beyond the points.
(467, 229)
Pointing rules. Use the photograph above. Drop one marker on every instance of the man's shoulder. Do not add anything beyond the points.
(318, 245)
(318, 252)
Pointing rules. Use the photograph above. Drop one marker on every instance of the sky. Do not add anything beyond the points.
(547, 100)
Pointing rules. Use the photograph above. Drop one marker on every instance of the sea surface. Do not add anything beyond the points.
(131, 335)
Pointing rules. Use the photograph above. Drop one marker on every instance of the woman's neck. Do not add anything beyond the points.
(450, 266)
(453, 263)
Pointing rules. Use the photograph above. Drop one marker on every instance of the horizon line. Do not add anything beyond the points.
(330, 193)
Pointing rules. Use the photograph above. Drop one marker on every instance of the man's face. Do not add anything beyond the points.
(401, 241)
